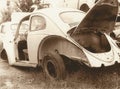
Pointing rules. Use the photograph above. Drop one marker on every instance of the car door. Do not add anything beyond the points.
(35, 35)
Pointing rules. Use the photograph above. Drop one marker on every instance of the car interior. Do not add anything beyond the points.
(22, 42)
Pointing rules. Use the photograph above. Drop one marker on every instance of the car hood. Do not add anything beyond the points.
(101, 17)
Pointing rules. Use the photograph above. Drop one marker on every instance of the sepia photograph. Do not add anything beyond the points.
(59, 44)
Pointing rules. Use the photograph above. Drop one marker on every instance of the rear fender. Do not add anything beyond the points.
(61, 45)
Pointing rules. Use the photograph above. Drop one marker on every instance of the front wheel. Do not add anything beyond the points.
(54, 67)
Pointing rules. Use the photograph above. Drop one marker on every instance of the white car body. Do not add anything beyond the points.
(56, 36)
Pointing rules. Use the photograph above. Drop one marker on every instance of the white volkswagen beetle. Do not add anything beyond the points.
(54, 34)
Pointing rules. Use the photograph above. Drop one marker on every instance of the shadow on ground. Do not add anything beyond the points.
(80, 77)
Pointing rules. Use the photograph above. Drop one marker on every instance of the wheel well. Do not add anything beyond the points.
(84, 7)
(61, 45)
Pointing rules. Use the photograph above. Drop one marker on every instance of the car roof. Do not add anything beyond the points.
(49, 11)
(57, 10)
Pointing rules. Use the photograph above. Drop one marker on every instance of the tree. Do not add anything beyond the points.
(25, 5)
(11, 6)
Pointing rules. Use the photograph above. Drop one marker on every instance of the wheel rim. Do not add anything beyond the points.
(51, 69)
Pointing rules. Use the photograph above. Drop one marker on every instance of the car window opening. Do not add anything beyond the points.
(38, 23)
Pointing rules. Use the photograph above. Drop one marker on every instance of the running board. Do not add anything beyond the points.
(24, 64)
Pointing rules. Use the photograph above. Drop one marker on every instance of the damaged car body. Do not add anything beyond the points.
(54, 33)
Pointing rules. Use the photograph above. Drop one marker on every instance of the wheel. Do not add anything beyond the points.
(54, 67)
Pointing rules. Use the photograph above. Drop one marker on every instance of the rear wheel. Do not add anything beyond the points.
(54, 67)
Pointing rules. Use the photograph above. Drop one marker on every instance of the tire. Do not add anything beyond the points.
(54, 67)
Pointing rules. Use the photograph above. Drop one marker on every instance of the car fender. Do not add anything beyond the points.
(9, 47)
(63, 46)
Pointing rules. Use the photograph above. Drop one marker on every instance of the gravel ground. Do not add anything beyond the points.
(79, 77)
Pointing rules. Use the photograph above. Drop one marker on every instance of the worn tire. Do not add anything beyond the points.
(54, 67)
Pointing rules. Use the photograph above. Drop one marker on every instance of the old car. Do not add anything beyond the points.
(9, 28)
(56, 33)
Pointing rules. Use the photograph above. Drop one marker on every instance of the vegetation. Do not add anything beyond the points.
(13, 6)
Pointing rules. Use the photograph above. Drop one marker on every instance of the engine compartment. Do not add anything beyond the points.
(93, 41)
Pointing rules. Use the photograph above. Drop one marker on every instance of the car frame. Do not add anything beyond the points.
(58, 39)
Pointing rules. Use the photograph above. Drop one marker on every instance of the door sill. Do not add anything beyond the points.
(24, 64)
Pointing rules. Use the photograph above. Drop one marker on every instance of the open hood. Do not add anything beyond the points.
(101, 17)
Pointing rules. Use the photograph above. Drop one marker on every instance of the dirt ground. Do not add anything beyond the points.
(79, 77)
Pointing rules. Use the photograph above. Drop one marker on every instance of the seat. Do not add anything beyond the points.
(26, 54)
